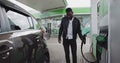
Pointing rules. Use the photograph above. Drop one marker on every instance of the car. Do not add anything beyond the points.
(20, 40)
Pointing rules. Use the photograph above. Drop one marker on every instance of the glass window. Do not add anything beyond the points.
(4, 25)
(35, 23)
(0, 17)
(30, 21)
(18, 21)
(0, 27)
(0, 23)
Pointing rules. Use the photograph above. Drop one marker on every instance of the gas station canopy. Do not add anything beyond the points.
(44, 5)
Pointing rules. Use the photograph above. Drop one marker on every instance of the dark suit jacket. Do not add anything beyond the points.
(64, 26)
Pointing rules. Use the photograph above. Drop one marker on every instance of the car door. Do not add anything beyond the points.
(6, 47)
(16, 39)
(23, 37)
(20, 41)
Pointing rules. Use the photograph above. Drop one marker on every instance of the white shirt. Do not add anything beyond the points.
(70, 30)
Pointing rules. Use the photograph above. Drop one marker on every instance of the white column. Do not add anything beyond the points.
(94, 22)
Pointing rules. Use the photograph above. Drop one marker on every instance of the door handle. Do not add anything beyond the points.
(5, 53)
(7, 50)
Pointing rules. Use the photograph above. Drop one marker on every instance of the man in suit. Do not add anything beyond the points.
(69, 28)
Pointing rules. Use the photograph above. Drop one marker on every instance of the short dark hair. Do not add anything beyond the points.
(68, 10)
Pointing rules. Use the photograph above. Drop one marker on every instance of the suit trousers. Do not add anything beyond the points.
(67, 43)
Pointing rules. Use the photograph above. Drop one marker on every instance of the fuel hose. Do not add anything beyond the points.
(84, 55)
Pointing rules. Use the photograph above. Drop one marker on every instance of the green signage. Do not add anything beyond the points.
(61, 11)
(102, 8)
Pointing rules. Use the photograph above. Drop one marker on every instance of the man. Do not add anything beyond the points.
(69, 28)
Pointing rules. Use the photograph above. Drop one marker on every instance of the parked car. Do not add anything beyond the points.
(20, 40)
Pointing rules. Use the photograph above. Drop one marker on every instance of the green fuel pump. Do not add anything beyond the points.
(101, 43)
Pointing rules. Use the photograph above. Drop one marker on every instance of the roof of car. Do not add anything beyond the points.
(9, 5)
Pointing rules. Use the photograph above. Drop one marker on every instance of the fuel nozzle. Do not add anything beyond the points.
(84, 39)
(101, 38)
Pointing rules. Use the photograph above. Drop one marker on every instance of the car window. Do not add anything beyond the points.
(4, 25)
(0, 22)
(0, 18)
(0, 27)
(35, 23)
(18, 21)
(30, 22)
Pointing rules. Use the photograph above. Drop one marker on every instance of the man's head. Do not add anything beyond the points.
(69, 13)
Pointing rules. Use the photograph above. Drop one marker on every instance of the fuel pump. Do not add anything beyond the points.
(101, 43)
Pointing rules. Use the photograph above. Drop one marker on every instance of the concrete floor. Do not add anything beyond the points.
(57, 53)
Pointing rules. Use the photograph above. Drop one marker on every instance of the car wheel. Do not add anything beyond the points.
(46, 59)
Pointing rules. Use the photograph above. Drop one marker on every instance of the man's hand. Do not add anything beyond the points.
(84, 39)
(59, 40)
